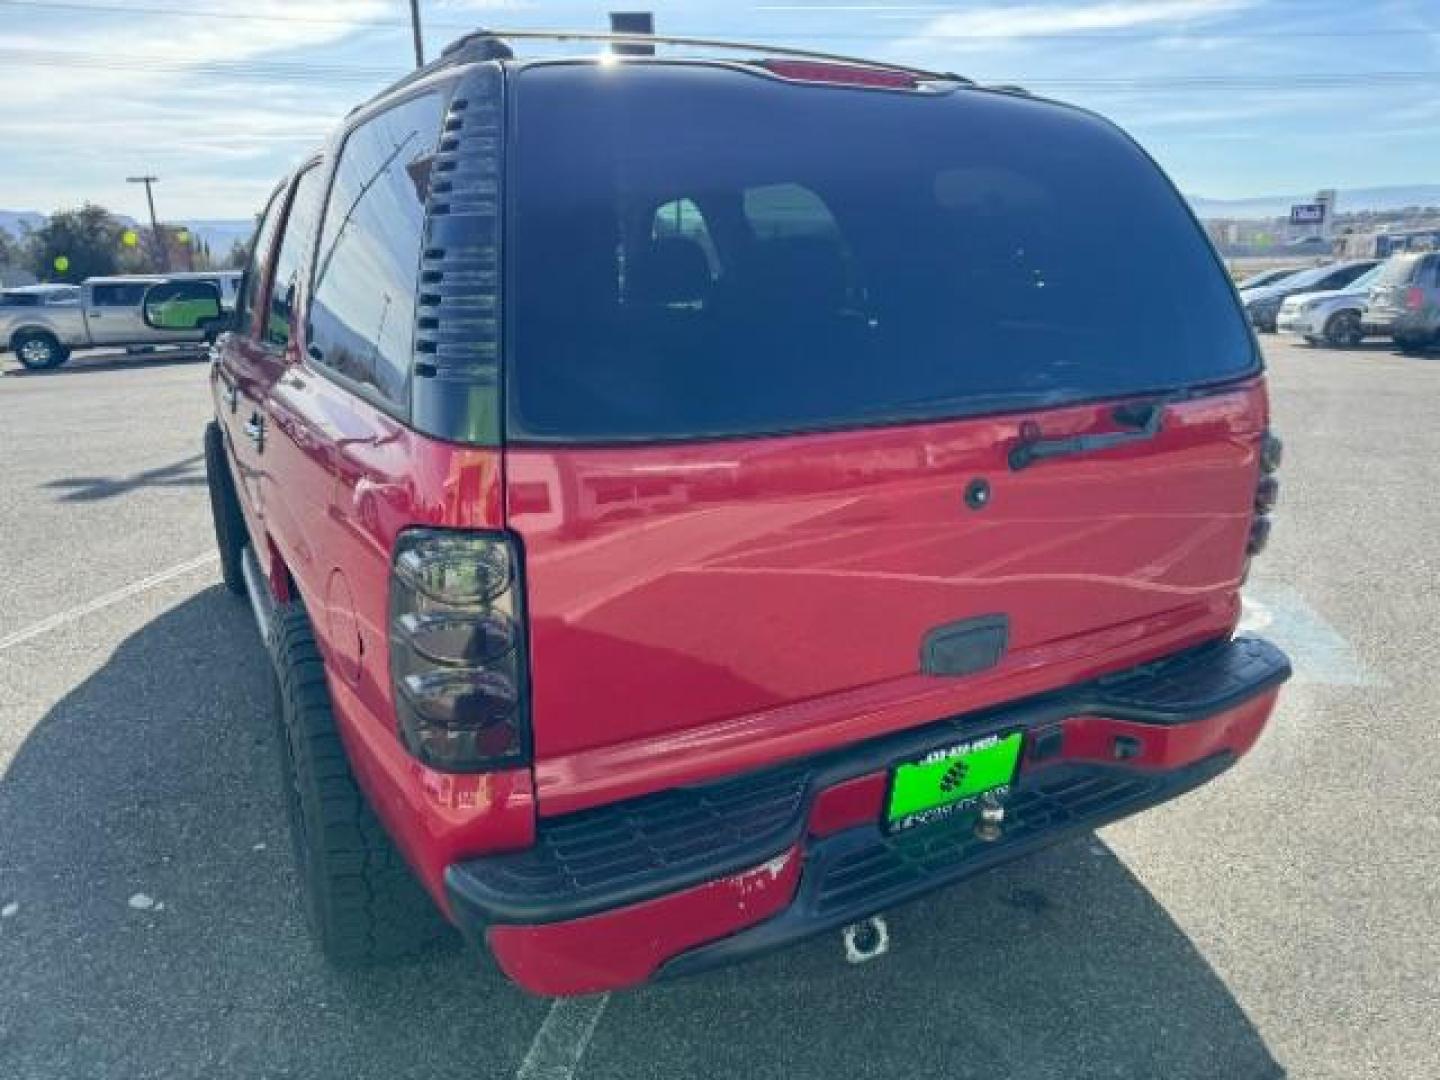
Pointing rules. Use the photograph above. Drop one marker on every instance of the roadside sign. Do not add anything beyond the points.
(1307, 213)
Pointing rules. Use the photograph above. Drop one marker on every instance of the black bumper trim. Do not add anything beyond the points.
(624, 853)
(861, 872)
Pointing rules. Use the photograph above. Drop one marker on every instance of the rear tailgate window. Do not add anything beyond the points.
(1399, 270)
(703, 252)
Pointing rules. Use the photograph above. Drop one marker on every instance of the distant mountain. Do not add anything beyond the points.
(1346, 200)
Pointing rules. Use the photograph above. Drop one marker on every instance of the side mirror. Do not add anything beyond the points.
(182, 305)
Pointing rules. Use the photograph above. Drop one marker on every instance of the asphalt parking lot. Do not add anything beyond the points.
(1281, 921)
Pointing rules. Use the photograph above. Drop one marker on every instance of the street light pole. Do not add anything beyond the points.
(415, 29)
(161, 252)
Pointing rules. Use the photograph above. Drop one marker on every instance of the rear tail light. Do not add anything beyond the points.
(1267, 494)
(1259, 535)
(457, 650)
(1414, 298)
(1272, 450)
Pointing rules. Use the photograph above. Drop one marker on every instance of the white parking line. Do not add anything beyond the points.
(562, 1039)
(44, 626)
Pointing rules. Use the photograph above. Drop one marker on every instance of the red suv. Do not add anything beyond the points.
(693, 504)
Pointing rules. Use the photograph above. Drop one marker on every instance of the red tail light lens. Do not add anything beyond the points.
(457, 650)
(1414, 298)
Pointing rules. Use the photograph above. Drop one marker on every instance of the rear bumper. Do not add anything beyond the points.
(1304, 324)
(682, 881)
(1390, 322)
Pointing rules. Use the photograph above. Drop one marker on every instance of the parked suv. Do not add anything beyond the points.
(696, 504)
(1404, 301)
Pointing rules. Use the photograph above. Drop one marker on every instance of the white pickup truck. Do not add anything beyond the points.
(42, 324)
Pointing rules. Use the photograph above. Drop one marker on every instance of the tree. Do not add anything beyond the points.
(239, 256)
(85, 242)
(9, 253)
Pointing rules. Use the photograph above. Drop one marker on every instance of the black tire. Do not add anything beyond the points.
(1342, 330)
(361, 900)
(38, 350)
(231, 535)
(1410, 346)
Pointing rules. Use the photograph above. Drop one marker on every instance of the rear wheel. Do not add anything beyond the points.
(231, 535)
(1410, 346)
(362, 901)
(39, 351)
(1342, 331)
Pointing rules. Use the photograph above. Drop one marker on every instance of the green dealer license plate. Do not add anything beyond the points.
(951, 779)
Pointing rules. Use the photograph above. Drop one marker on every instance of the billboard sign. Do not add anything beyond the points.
(1307, 213)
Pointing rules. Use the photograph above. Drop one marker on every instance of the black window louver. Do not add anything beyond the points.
(457, 323)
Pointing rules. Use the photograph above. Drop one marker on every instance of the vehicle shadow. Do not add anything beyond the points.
(155, 931)
(184, 473)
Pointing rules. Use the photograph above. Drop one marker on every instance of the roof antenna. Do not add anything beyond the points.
(632, 22)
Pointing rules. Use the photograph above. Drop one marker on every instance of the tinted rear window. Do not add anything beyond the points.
(714, 253)
(19, 299)
(1399, 269)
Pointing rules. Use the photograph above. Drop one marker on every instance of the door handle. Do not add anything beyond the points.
(255, 430)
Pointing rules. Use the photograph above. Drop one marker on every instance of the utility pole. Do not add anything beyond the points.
(415, 28)
(161, 253)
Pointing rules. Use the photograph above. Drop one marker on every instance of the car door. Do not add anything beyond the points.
(112, 310)
(292, 450)
(243, 366)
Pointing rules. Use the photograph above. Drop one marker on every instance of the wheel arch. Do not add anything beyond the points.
(33, 328)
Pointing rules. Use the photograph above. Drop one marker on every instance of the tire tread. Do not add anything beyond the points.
(363, 901)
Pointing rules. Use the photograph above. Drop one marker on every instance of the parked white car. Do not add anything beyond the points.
(1331, 317)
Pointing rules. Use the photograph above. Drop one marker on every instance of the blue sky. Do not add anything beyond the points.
(1234, 97)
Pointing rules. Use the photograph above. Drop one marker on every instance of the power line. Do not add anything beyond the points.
(1071, 35)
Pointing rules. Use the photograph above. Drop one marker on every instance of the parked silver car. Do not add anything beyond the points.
(104, 311)
(1262, 305)
(1331, 316)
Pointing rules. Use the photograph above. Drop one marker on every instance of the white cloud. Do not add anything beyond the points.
(85, 125)
(996, 25)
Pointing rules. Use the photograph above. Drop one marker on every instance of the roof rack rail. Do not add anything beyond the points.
(483, 44)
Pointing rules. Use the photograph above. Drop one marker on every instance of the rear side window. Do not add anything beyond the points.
(1345, 275)
(126, 295)
(259, 259)
(712, 253)
(299, 235)
(362, 312)
(19, 299)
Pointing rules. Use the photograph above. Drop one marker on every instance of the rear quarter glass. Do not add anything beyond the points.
(698, 251)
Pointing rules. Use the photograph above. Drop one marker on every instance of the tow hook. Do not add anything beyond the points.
(866, 941)
(991, 822)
